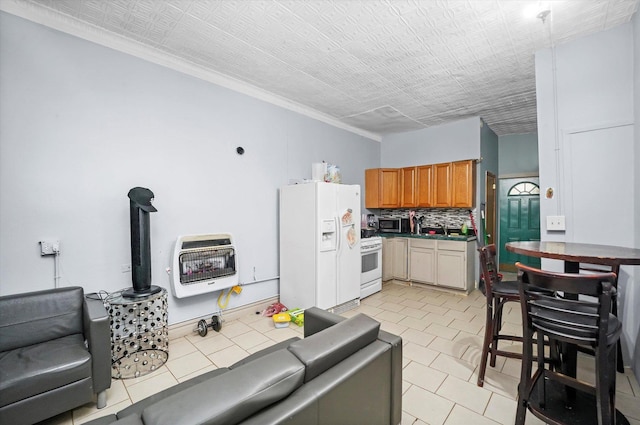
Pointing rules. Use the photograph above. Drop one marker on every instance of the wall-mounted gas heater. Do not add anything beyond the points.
(203, 263)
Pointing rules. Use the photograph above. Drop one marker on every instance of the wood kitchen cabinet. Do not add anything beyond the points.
(450, 184)
(408, 185)
(422, 260)
(462, 184)
(442, 185)
(382, 188)
(424, 186)
(394, 259)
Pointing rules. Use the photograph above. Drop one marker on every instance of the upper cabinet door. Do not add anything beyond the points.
(462, 182)
(442, 185)
(424, 186)
(382, 188)
(390, 188)
(372, 188)
(408, 180)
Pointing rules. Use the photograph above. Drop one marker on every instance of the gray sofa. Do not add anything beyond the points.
(344, 371)
(55, 354)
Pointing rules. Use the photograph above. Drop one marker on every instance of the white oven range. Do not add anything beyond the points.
(371, 277)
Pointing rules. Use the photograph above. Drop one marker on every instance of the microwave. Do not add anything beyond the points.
(394, 225)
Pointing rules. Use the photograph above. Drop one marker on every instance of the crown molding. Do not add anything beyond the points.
(67, 24)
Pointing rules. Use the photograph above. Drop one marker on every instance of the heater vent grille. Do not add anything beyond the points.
(203, 263)
(206, 264)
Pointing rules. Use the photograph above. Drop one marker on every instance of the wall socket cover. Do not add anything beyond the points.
(49, 247)
(556, 223)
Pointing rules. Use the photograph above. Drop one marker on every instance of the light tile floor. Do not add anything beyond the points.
(442, 335)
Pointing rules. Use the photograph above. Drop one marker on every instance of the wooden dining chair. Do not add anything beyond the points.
(497, 293)
(599, 268)
(572, 321)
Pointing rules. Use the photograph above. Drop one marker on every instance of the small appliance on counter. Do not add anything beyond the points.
(369, 226)
(368, 232)
(372, 221)
(394, 225)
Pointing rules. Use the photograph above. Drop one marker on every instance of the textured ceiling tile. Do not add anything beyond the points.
(387, 65)
(383, 120)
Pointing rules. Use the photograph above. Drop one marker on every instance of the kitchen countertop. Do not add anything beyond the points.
(461, 238)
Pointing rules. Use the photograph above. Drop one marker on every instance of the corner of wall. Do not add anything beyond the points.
(635, 22)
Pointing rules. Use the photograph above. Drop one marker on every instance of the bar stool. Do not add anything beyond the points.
(497, 293)
(556, 396)
(599, 268)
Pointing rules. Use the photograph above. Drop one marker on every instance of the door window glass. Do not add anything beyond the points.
(524, 188)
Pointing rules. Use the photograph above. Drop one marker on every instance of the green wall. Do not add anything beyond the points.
(518, 154)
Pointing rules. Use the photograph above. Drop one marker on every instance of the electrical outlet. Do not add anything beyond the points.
(556, 223)
(49, 247)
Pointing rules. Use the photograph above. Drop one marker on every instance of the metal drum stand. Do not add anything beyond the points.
(139, 334)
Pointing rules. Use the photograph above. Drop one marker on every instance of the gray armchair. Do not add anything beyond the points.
(55, 354)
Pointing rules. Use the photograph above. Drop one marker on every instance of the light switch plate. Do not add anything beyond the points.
(556, 222)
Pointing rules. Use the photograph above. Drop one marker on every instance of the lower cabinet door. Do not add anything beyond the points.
(423, 265)
(452, 269)
(400, 269)
(387, 259)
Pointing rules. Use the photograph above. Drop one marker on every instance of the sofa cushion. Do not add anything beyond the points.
(233, 396)
(27, 319)
(324, 349)
(38, 368)
(138, 407)
(270, 349)
(130, 420)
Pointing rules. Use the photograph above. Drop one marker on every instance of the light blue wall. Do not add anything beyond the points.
(489, 153)
(636, 99)
(518, 154)
(443, 143)
(82, 124)
(592, 100)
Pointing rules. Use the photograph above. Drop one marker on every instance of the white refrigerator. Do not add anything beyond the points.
(319, 245)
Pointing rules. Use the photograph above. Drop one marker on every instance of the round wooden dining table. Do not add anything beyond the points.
(573, 254)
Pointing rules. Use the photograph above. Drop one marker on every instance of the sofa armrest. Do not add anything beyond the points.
(323, 350)
(316, 320)
(98, 336)
(112, 420)
(396, 373)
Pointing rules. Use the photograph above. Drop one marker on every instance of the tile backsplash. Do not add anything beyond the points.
(434, 217)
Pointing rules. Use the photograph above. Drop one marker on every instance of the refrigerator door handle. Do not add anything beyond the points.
(338, 234)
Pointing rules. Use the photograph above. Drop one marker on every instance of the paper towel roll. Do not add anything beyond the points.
(318, 171)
